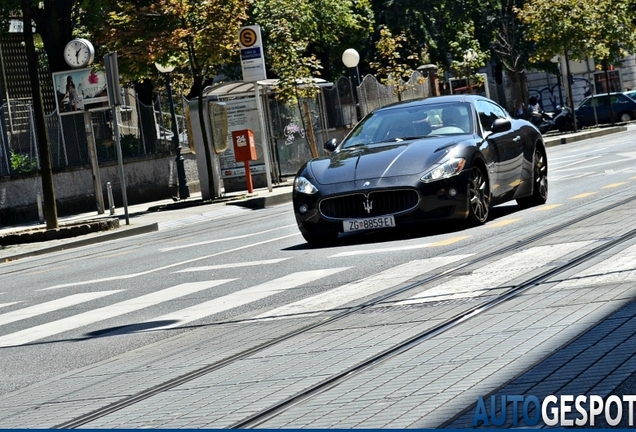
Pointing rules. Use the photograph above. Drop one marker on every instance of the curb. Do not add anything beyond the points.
(64, 231)
(262, 202)
(583, 135)
(112, 235)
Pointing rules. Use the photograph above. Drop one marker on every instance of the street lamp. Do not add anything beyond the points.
(184, 190)
(351, 58)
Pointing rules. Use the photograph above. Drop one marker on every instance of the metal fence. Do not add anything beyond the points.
(146, 130)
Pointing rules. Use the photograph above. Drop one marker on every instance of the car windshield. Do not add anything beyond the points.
(411, 122)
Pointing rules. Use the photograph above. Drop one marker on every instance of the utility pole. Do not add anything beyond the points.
(50, 208)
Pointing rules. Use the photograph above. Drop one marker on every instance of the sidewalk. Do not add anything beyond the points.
(89, 228)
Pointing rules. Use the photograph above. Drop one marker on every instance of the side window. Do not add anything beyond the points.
(488, 113)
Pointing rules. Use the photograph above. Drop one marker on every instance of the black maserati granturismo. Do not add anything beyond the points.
(445, 157)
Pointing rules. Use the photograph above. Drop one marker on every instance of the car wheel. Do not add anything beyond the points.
(478, 196)
(321, 239)
(540, 178)
(625, 117)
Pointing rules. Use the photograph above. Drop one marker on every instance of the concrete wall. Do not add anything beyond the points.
(147, 179)
(543, 84)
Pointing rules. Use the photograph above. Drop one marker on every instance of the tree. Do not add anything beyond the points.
(578, 29)
(392, 68)
(467, 55)
(196, 35)
(302, 36)
(512, 50)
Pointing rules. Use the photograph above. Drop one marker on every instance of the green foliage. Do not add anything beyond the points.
(130, 145)
(22, 163)
(298, 34)
(580, 28)
(467, 55)
(288, 27)
(392, 68)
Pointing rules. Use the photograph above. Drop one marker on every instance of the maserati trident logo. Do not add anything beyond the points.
(368, 205)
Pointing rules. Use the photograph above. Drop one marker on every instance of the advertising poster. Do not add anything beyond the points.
(241, 114)
(79, 89)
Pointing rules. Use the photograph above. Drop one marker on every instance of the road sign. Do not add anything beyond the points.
(252, 57)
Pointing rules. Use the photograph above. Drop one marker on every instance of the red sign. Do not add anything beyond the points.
(244, 145)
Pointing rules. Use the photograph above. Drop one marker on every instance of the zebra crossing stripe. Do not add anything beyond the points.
(169, 266)
(232, 265)
(495, 276)
(92, 316)
(240, 298)
(51, 306)
(344, 294)
(8, 304)
(190, 245)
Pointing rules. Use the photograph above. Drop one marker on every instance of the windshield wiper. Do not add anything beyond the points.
(353, 146)
(407, 138)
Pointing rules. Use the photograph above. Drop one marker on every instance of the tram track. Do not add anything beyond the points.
(276, 408)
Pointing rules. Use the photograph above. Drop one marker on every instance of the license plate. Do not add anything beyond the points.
(369, 223)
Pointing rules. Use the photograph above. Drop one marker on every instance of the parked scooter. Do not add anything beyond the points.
(543, 120)
(564, 120)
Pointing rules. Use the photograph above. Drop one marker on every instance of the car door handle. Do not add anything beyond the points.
(517, 139)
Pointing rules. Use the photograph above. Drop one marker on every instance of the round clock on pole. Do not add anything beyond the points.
(79, 53)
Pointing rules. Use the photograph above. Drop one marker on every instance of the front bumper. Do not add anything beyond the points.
(443, 199)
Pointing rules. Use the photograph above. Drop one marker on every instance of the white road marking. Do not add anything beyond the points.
(51, 306)
(493, 276)
(233, 265)
(570, 163)
(223, 239)
(380, 250)
(8, 304)
(588, 166)
(177, 264)
(344, 294)
(90, 317)
(243, 297)
(446, 242)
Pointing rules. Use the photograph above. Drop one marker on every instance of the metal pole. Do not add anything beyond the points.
(120, 161)
(184, 189)
(265, 145)
(356, 96)
(111, 201)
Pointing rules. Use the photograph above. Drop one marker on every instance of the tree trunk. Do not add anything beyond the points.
(204, 137)
(48, 191)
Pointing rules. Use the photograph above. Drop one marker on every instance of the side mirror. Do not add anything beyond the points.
(331, 145)
(500, 125)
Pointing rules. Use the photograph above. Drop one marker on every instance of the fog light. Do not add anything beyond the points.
(303, 208)
(452, 192)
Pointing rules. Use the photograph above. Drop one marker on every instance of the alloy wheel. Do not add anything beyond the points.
(478, 196)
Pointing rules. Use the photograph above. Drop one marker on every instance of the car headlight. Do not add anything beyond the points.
(302, 185)
(447, 169)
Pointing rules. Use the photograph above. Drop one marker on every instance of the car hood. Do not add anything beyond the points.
(381, 161)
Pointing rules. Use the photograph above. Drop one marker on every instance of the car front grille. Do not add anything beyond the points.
(379, 203)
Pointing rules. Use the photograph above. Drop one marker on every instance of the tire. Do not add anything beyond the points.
(540, 182)
(624, 117)
(478, 196)
(321, 239)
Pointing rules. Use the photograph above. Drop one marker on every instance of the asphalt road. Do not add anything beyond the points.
(76, 308)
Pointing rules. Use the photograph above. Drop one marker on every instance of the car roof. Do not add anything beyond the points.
(433, 100)
(605, 94)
